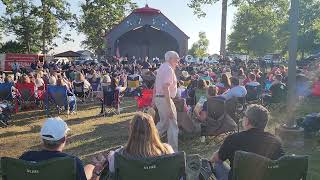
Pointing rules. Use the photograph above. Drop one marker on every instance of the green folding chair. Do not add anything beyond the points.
(250, 166)
(314, 166)
(169, 167)
(53, 169)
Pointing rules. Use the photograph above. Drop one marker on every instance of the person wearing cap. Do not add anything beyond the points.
(54, 136)
(165, 90)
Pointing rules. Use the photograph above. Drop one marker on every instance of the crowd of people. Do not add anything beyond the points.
(172, 79)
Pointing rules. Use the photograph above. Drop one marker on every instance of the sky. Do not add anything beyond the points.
(176, 10)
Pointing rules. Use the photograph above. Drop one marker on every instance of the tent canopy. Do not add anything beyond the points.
(68, 54)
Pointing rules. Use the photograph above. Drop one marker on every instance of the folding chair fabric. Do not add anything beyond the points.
(56, 95)
(250, 166)
(220, 118)
(53, 169)
(145, 99)
(171, 167)
(5, 92)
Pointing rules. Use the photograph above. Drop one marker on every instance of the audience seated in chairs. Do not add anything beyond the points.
(236, 91)
(144, 141)
(111, 96)
(316, 87)
(203, 114)
(54, 136)
(278, 91)
(71, 97)
(81, 86)
(26, 93)
(224, 84)
(201, 89)
(254, 139)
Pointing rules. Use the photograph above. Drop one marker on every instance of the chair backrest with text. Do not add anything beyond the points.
(53, 169)
(170, 167)
(250, 166)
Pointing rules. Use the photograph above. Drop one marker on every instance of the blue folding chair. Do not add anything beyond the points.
(6, 97)
(58, 96)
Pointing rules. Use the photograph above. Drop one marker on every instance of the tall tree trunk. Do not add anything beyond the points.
(223, 27)
(43, 34)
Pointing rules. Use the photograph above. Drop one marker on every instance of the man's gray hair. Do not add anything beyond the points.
(257, 115)
(170, 54)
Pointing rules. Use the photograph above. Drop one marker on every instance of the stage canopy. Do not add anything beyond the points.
(146, 32)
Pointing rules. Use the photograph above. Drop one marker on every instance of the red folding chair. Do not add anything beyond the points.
(145, 100)
(26, 95)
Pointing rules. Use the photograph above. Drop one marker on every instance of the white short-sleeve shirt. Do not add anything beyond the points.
(166, 74)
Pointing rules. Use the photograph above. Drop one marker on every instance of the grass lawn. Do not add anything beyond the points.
(91, 134)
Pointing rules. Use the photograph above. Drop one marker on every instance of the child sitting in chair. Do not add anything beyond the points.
(201, 112)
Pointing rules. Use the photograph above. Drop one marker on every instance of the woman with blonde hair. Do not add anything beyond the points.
(144, 141)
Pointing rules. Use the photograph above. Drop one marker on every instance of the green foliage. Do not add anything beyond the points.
(12, 47)
(262, 27)
(36, 26)
(99, 17)
(21, 21)
(54, 15)
(257, 26)
(309, 26)
(200, 48)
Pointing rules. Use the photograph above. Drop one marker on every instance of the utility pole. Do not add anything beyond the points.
(293, 47)
(224, 27)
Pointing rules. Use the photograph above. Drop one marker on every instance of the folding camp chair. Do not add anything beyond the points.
(221, 114)
(145, 100)
(184, 120)
(314, 166)
(111, 100)
(53, 169)
(57, 96)
(6, 98)
(169, 167)
(94, 85)
(133, 82)
(250, 166)
(26, 95)
(79, 91)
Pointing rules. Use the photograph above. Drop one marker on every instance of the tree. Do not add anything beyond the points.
(309, 27)
(12, 47)
(20, 20)
(196, 5)
(54, 15)
(99, 17)
(200, 48)
(1, 28)
(257, 27)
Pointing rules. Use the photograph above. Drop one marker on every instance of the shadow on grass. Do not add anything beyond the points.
(103, 137)
(34, 129)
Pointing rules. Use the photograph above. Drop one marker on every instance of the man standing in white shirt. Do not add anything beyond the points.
(165, 90)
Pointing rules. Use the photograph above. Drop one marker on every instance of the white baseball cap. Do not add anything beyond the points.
(54, 129)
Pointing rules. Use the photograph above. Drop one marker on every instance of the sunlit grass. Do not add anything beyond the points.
(91, 134)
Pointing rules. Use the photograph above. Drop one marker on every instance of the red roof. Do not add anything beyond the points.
(147, 10)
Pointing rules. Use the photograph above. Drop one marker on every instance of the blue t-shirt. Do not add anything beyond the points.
(43, 155)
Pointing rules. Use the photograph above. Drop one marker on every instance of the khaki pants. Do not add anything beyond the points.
(167, 125)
